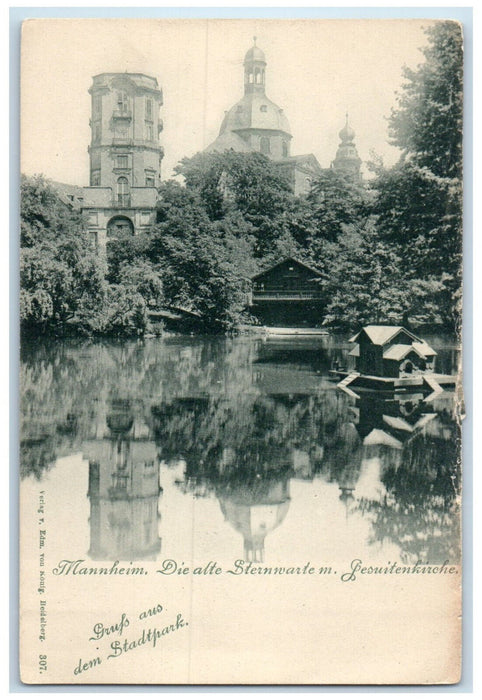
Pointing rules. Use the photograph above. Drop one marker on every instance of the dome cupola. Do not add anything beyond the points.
(254, 70)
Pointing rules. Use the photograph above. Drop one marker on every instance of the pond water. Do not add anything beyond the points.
(193, 449)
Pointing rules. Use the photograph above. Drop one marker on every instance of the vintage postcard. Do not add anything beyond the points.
(241, 395)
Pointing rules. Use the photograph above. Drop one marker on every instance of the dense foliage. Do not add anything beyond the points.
(419, 202)
(389, 250)
(63, 286)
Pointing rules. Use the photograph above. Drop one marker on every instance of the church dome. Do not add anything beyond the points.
(255, 111)
(254, 54)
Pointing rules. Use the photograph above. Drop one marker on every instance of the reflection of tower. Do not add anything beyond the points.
(255, 510)
(347, 161)
(123, 491)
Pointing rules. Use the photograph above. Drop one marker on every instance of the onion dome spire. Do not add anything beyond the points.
(347, 133)
(347, 161)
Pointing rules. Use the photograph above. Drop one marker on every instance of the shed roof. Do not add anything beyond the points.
(379, 335)
(315, 272)
(398, 352)
(424, 348)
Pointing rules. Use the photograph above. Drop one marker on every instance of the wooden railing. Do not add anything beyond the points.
(285, 295)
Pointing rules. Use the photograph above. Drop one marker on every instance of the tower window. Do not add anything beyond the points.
(96, 105)
(96, 131)
(285, 149)
(148, 108)
(264, 145)
(149, 132)
(95, 178)
(123, 192)
(150, 178)
(263, 108)
(122, 101)
(122, 161)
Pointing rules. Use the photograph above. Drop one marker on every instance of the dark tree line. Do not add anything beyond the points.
(389, 249)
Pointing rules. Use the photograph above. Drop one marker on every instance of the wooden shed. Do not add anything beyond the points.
(288, 294)
(391, 351)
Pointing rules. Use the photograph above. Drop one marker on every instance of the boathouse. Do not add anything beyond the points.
(288, 294)
(391, 351)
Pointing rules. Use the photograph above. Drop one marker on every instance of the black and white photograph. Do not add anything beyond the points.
(241, 388)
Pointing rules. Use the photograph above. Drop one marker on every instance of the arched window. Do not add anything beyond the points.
(123, 198)
(256, 75)
(285, 149)
(264, 145)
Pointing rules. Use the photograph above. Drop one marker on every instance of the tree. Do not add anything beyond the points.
(427, 124)
(203, 264)
(248, 184)
(363, 279)
(419, 201)
(62, 278)
(334, 200)
(59, 269)
(366, 283)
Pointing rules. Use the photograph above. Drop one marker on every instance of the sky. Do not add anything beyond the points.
(317, 70)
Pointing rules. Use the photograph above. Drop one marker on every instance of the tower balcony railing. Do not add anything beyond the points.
(122, 114)
(122, 141)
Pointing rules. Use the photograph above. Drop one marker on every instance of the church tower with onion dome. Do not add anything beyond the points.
(347, 161)
(257, 124)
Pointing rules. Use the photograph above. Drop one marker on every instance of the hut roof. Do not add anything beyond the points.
(379, 335)
(313, 270)
(398, 352)
(424, 348)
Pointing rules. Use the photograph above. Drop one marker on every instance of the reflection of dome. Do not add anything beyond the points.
(254, 520)
(120, 422)
(255, 111)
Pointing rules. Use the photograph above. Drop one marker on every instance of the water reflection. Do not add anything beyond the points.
(239, 422)
(123, 487)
